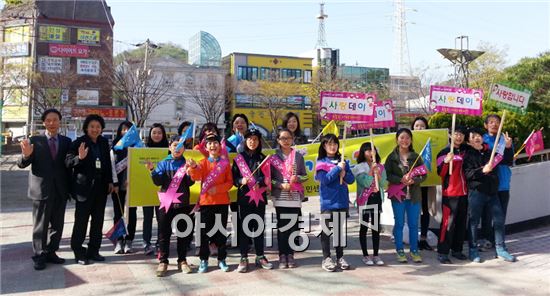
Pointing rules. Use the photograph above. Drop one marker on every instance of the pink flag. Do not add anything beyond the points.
(266, 170)
(534, 143)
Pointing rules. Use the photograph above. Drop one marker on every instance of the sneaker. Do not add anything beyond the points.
(290, 261)
(128, 247)
(119, 247)
(377, 261)
(368, 261)
(243, 265)
(263, 263)
(203, 266)
(148, 250)
(485, 246)
(328, 264)
(459, 255)
(184, 267)
(503, 254)
(401, 258)
(444, 259)
(423, 245)
(415, 256)
(223, 266)
(344, 265)
(161, 269)
(283, 263)
(474, 255)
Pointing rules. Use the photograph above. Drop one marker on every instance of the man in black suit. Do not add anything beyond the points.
(48, 187)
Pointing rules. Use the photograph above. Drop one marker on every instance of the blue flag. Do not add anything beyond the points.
(130, 139)
(118, 230)
(427, 155)
(187, 135)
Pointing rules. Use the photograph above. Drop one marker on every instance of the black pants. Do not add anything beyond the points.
(93, 207)
(368, 216)
(165, 231)
(148, 213)
(425, 216)
(119, 200)
(453, 224)
(487, 231)
(48, 220)
(208, 217)
(283, 236)
(246, 210)
(335, 217)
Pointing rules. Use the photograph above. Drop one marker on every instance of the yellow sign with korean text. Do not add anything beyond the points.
(54, 33)
(142, 191)
(88, 36)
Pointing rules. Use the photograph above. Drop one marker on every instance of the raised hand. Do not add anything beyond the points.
(488, 168)
(508, 140)
(449, 157)
(26, 148)
(293, 179)
(191, 163)
(149, 165)
(82, 151)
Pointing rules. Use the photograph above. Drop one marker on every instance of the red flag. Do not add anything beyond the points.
(266, 170)
(534, 143)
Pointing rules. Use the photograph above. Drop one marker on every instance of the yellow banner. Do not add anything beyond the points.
(53, 33)
(144, 192)
(88, 36)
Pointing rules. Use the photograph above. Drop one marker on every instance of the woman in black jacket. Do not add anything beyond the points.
(92, 181)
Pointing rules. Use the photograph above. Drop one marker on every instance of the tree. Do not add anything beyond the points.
(139, 87)
(321, 82)
(164, 50)
(210, 96)
(271, 95)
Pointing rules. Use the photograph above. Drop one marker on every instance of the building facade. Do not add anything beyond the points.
(197, 94)
(57, 54)
(247, 68)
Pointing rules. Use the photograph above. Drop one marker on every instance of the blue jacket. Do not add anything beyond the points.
(334, 195)
(166, 170)
(503, 168)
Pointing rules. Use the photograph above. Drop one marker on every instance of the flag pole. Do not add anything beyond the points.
(193, 135)
(452, 143)
(419, 155)
(374, 160)
(343, 149)
(497, 137)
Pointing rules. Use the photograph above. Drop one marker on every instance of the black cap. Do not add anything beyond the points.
(253, 132)
(461, 130)
(213, 138)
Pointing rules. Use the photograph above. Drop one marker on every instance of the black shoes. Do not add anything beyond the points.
(459, 256)
(39, 262)
(82, 261)
(423, 245)
(53, 258)
(96, 257)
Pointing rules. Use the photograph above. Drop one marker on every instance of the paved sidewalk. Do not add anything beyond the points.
(134, 274)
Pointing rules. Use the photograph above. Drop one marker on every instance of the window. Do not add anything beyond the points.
(270, 74)
(247, 73)
(243, 101)
(307, 76)
(291, 74)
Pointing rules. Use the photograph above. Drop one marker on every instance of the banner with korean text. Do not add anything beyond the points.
(384, 117)
(347, 106)
(456, 100)
(142, 191)
(513, 98)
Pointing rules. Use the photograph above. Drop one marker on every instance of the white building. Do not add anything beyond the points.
(191, 86)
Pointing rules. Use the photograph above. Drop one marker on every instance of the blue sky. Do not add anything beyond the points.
(362, 30)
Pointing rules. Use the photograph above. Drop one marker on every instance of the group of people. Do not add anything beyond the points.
(88, 170)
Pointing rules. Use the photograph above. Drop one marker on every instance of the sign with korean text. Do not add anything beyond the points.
(68, 50)
(384, 117)
(87, 97)
(52, 64)
(20, 49)
(87, 67)
(347, 106)
(513, 98)
(53, 33)
(111, 113)
(88, 36)
(456, 100)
